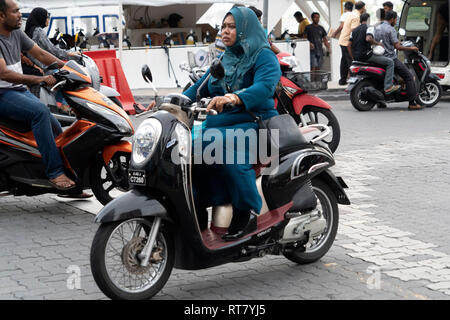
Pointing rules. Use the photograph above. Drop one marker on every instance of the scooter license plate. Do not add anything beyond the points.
(137, 177)
(352, 80)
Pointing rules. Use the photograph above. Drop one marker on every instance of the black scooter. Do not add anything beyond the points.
(154, 227)
(366, 82)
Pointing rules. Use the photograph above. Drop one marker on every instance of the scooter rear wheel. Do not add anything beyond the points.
(115, 263)
(317, 115)
(356, 98)
(435, 93)
(319, 246)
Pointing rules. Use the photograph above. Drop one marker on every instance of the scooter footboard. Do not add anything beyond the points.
(133, 204)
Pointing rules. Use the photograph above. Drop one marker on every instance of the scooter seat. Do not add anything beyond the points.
(290, 137)
(362, 63)
(14, 125)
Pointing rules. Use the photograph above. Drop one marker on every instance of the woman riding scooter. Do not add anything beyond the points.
(251, 75)
(38, 20)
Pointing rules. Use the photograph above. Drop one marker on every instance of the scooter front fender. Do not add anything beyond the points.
(110, 150)
(302, 100)
(133, 204)
(109, 92)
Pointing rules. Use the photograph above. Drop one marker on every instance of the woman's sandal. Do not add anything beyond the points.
(60, 187)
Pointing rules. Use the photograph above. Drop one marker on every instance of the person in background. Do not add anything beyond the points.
(303, 22)
(441, 25)
(385, 32)
(380, 15)
(350, 24)
(316, 35)
(388, 6)
(259, 14)
(360, 48)
(345, 58)
(38, 20)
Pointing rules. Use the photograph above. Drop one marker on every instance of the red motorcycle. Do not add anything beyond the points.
(292, 98)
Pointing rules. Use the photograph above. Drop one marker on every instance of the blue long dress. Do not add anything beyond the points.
(252, 72)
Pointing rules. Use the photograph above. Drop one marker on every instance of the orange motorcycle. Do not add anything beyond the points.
(93, 149)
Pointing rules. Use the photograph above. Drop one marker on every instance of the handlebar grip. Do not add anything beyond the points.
(228, 107)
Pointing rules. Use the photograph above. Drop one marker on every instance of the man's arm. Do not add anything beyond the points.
(274, 48)
(398, 46)
(335, 33)
(44, 56)
(372, 41)
(326, 43)
(18, 78)
(349, 49)
(441, 25)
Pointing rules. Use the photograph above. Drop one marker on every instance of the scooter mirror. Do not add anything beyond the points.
(293, 45)
(217, 70)
(146, 73)
(402, 31)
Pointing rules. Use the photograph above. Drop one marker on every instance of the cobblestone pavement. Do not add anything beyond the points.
(392, 241)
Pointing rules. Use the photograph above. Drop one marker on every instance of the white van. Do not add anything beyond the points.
(428, 19)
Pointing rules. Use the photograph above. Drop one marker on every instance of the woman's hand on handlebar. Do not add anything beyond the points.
(218, 103)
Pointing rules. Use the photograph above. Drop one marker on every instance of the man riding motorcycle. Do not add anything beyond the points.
(359, 49)
(385, 32)
(17, 103)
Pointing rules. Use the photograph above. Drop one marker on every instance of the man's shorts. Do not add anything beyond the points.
(316, 60)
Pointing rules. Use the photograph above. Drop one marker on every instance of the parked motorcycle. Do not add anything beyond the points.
(366, 82)
(292, 98)
(195, 74)
(92, 149)
(154, 227)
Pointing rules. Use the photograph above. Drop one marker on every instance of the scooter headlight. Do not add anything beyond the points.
(122, 125)
(145, 140)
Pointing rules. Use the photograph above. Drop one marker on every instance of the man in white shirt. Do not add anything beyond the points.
(345, 59)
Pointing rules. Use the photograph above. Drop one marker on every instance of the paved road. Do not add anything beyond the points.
(392, 241)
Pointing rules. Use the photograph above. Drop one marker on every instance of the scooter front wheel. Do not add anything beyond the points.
(316, 248)
(109, 181)
(359, 102)
(115, 262)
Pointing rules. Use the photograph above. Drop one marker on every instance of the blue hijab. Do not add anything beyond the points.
(250, 40)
